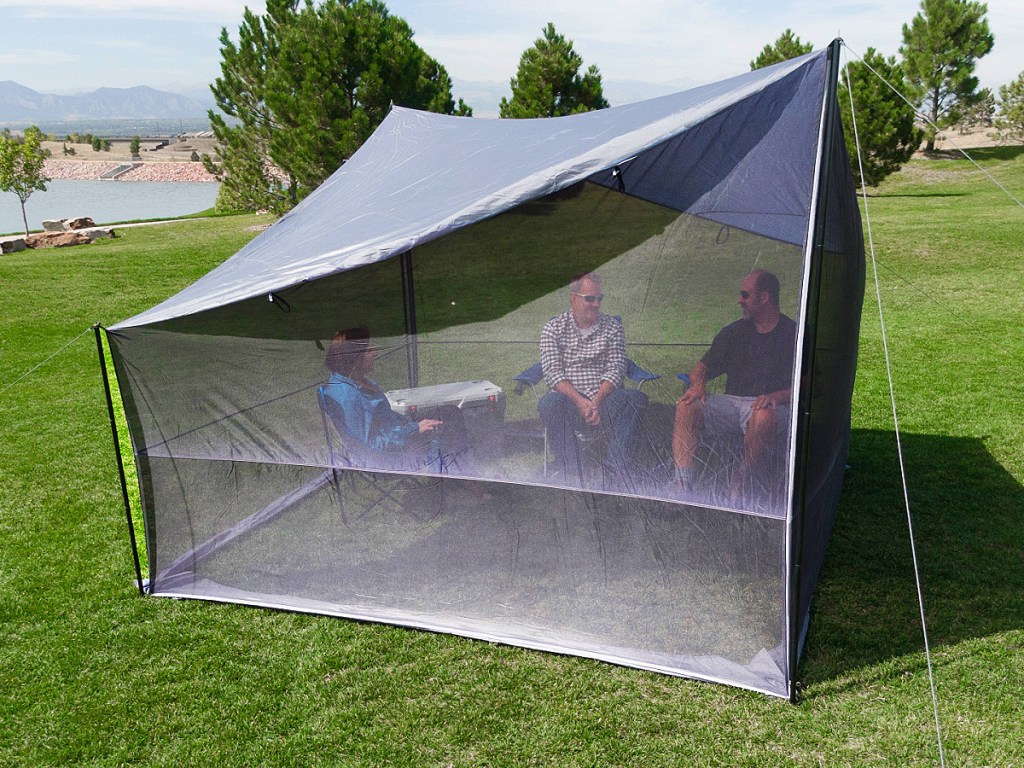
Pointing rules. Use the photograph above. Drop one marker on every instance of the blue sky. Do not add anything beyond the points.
(642, 47)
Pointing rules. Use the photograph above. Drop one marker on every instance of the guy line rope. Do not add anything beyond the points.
(34, 368)
(892, 398)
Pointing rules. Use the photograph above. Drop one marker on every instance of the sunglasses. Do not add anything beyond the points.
(590, 298)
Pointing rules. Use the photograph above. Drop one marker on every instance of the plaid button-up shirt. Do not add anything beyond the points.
(565, 354)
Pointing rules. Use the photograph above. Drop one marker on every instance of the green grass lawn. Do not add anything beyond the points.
(92, 674)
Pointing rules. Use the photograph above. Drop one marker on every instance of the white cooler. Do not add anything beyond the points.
(481, 402)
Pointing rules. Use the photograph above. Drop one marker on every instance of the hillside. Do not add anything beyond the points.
(19, 104)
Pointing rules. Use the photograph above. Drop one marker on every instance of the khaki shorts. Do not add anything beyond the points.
(730, 414)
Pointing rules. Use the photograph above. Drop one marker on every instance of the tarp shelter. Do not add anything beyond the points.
(453, 241)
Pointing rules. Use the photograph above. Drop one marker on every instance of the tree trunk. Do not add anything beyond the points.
(934, 116)
(24, 218)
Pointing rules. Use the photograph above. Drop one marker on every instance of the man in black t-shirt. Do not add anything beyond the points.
(756, 356)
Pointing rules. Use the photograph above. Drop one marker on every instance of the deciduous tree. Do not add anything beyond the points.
(940, 49)
(548, 82)
(788, 46)
(22, 163)
(885, 122)
(306, 86)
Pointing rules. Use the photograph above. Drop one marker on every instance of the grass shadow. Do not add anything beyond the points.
(965, 508)
(919, 195)
(981, 154)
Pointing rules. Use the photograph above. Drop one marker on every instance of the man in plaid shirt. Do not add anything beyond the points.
(583, 354)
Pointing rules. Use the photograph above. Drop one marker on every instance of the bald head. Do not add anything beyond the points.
(766, 282)
(759, 299)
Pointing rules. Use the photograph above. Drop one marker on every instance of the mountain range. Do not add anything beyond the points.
(19, 104)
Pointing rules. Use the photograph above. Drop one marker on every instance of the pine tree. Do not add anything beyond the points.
(548, 82)
(980, 114)
(788, 46)
(1010, 122)
(940, 49)
(307, 86)
(885, 122)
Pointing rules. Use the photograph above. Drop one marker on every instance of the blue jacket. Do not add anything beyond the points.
(368, 415)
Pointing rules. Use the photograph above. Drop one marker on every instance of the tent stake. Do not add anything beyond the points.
(120, 461)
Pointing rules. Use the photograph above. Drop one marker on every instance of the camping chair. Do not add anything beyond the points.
(381, 488)
(718, 456)
(588, 439)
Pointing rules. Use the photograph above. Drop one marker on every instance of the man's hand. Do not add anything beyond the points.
(587, 408)
(692, 394)
(594, 417)
(429, 425)
(590, 412)
(771, 400)
(696, 391)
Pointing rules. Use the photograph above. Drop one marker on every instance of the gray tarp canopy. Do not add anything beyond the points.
(421, 175)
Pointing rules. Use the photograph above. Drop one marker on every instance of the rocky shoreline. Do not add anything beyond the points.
(93, 170)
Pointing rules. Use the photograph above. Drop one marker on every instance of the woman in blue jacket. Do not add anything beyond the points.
(385, 439)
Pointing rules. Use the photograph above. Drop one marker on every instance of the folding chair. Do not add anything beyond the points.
(719, 455)
(385, 473)
(588, 439)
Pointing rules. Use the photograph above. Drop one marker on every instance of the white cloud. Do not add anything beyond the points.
(676, 40)
(210, 11)
(19, 56)
(684, 42)
(642, 39)
(119, 45)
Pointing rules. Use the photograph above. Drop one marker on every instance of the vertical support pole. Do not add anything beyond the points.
(806, 383)
(120, 461)
(409, 299)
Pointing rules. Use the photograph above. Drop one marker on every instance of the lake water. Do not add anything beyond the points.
(107, 201)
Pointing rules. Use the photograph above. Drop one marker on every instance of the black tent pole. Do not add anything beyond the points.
(409, 297)
(806, 382)
(120, 460)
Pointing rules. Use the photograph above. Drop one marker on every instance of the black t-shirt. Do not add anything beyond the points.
(754, 363)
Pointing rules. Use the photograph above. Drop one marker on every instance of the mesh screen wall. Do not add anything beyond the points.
(261, 485)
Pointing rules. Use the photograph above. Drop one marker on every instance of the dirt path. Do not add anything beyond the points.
(950, 140)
